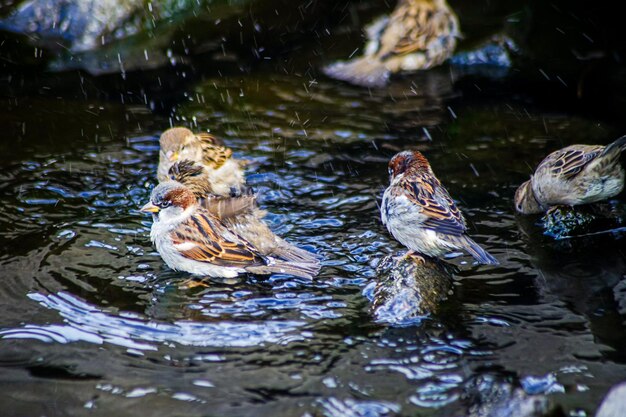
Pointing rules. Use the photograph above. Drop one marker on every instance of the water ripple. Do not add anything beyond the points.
(334, 407)
(90, 324)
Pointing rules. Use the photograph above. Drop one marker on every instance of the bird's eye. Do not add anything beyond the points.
(390, 172)
(166, 203)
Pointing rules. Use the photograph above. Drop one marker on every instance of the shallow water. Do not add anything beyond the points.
(94, 323)
(93, 320)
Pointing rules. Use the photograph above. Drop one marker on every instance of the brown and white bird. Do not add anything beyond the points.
(190, 238)
(224, 173)
(418, 35)
(240, 214)
(420, 214)
(194, 177)
(575, 175)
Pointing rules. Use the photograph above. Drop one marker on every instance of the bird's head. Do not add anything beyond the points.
(525, 201)
(408, 161)
(169, 200)
(179, 143)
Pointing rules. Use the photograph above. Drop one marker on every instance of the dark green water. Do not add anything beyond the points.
(93, 323)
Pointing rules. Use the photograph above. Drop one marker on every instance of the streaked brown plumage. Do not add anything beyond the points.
(575, 175)
(209, 243)
(240, 214)
(189, 238)
(224, 173)
(418, 35)
(420, 214)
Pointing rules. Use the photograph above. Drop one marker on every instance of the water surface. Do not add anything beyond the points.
(93, 322)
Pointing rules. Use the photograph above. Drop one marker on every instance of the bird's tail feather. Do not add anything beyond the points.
(474, 249)
(609, 157)
(301, 270)
(364, 71)
(288, 252)
(614, 149)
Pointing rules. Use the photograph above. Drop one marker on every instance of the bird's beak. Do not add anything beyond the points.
(172, 156)
(149, 208)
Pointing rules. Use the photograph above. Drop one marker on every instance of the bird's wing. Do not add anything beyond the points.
(214, 152)
(227, 207)
(413, 25)
(215, 155)
(193, 176)
(204, 238)
(182, 171)
(436, 205)
(209, 138)
(570, 161)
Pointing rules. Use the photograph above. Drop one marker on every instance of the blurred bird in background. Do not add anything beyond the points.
(418, 35)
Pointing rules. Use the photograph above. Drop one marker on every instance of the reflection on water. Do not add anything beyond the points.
(90, 324)
(351, 408)
(90, 305)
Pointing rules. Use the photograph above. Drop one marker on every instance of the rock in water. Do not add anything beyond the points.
(490, 396)
(564, 222)
(614, 404)
(492, 57)
(408, 289)
(83, 24)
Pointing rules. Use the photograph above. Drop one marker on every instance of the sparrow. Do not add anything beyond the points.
(190, 238)
(240, 214)
(224, 173)
(575, 175)
(418, 35)
(420, 214)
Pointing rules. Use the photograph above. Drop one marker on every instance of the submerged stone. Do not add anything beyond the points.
(408, 289)
(83, 25)
(492, 57)
(489, 396)
(564, 222)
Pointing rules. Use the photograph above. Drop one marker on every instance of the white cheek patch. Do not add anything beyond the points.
(185, 246)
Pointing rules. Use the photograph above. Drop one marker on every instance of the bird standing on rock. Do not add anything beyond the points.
(418, 35)
(222, 171)
(575, 175)
(420, 214)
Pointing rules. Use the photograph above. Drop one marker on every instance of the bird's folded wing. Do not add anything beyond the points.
(214, 155)
(182, 171)
(204, 239)
(570, 162)
(214, 152)
(209, 139)
(436, 205)
(413, 26)
(191, 175)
